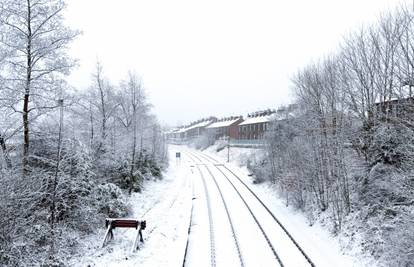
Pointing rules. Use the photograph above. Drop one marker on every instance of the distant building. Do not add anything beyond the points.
(251, 130)
(193, 130)
(198, 128)
(394, 108)
(176, 135)
(227, 127)
(256, 124)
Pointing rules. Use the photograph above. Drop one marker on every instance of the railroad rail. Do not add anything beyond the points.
(190, 225)
(228, 214)
(210, 221)
(220, 168)
(233, 232)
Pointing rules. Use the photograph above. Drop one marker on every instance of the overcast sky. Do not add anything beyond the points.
(211, 57)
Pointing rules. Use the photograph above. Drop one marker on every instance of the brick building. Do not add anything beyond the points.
(197, 128)
(256, 124)
(227, 127)
(394, 108)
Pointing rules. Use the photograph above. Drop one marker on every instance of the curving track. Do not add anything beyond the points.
(245, 232)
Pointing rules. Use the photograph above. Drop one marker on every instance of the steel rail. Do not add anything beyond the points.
(255, 219)
(236, 241)
(271, 214)
(264, 205)
(210, 220)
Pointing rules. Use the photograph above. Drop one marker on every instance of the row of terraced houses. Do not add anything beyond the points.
(252, 127)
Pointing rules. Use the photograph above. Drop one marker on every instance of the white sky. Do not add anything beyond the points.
(211, 57)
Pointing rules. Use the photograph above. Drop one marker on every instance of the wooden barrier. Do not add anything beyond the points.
(113, 223)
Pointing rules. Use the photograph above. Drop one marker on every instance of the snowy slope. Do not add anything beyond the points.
(165, 205)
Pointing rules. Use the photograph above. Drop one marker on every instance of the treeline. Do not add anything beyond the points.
(347, 152)
(68, 158)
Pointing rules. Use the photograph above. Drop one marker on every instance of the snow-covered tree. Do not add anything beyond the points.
(35, 38)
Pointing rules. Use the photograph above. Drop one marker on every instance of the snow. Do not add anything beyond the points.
(199, 125)
(258, 119)
(176, 130)
(165, 205)
(182, 130)
(323, 248)
(190, 186)
(225, 250)
(224, 123)
(252, 243)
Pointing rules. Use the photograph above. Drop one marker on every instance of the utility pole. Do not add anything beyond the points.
(228, 149)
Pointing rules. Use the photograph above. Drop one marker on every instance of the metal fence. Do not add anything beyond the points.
(248, 143)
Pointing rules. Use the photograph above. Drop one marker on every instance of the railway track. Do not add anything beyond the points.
(210, 217)
(235, 239)
(210, 221)
(223, 169)
(190, 224)
(269, 243)
(197, 161)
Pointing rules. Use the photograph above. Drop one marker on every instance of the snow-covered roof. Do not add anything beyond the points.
(379, 101)
(258, 119)
(182, 130)
(283, 116)
(171, 131)
(199, 125)
(224, 123)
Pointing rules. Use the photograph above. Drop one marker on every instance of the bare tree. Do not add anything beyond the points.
(102, 106)
(132, 109)
(33, 33)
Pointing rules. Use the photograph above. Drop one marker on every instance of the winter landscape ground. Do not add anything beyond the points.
(167, 206)
(237, 133)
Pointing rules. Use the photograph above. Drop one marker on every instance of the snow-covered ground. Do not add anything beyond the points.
(166, 206)
(223, 232)
(316, 240)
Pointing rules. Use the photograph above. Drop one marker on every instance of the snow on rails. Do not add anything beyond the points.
(242, 223)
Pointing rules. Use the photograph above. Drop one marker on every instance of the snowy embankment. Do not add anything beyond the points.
(316, 240)
(166, 206)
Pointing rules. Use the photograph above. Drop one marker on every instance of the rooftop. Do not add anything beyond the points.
(259, 119)
(224, 122)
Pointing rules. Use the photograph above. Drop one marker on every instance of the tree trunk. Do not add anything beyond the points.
(25, 132)
(91, 121)
(134, 148)
(27, 89)
(103, 127)
(5, 152)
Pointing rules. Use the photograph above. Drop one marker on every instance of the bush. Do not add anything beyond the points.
(109, 200)
(393, 144)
